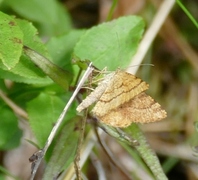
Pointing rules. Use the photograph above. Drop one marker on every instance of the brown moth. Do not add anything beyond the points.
(123, 102)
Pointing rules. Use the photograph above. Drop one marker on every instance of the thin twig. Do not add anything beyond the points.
(113, 161)
(60, 119)
(151, 33)
(85, 151)
(19, 111)
(79, 146)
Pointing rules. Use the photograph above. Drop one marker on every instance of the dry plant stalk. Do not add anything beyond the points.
(38, 156)
(79, 147)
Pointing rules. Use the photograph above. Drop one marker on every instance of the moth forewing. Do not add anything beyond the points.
(124, 102)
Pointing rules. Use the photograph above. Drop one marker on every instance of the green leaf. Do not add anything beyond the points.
(31, 38)
(43, 112)
(17, 78)
(25, 70)
(9, 123)
(111, 44)
(64, 150)
(52, 17)
(11, 41)
(41, 58)
(61, 48)
(57, 74)
(1, 1)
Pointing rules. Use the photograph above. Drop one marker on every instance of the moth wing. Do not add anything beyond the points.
(141, 109)
(122, 88)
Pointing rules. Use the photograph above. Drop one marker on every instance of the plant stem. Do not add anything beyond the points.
(147, 154)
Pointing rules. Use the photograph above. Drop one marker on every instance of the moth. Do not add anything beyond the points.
(121, 100)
